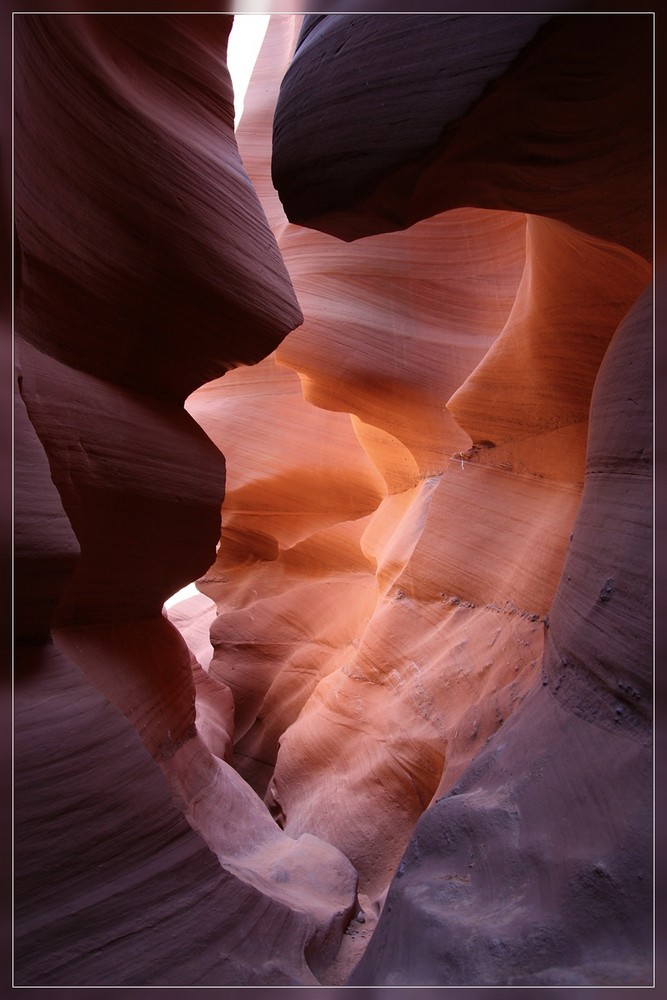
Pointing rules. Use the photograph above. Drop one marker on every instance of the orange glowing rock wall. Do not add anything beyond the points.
(449, 368)
(430, 651)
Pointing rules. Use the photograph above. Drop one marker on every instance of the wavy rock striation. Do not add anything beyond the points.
(540, 113)
(138, 282)
(113, 886)
(536, 853)
(430, 636)
(536, 868)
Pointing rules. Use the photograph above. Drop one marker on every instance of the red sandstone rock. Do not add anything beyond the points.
(379, 106)
(147, 241)
(598, 654)
(525, 823)
(404, 475)
(451, 630)
(45, 547)
(537, 867)
(557, 121)
(400, 716)
(113, 887)
(128, 469)
(133, 236)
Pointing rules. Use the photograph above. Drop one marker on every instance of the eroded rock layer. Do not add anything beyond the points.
(538, 863)
(113, 887)
(429, 611)
(373, 662)
(152, 231)
(495, 888)
(139, 280)
(540, 113)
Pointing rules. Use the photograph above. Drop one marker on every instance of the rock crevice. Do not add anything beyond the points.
(395, 419)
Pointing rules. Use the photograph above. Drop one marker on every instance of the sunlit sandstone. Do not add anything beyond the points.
(431, 642)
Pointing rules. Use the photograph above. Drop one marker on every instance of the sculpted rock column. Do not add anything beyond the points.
(140, 237)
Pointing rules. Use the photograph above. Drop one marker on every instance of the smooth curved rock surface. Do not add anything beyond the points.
(45, 547)
(154, 231)
(499, 888)
(113, 887)
(598, 657)
(558, 123)
(431, 646)
(537, 867)
(400, 104)
(495, 836)
(145, 242)
(504, 317)
(460, 599)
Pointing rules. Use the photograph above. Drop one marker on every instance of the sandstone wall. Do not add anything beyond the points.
(426, 359)
(138, 234)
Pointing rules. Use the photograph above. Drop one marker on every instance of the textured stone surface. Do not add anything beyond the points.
(430, 651)
(462, 596)
(143, 243)
(536, 870)
(113, 887)
(154, 229)
(45, 547)
(128, 470)
(562, 126)
(537, 867)
(504, 317)
(401, 102)
(598, 657)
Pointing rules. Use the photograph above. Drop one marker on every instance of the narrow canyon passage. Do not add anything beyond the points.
(393, 415)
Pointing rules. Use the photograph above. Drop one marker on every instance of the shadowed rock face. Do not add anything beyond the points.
(534, 113)
(113, 887)
(45, 547)
(152, 230)
(402, 102)
(598, 656)
(430, 651)
(142, 242)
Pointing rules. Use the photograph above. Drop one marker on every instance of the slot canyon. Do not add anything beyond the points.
(376, 371)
